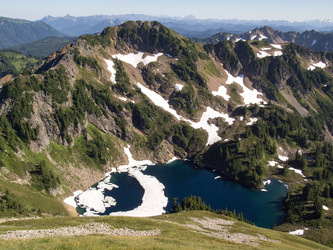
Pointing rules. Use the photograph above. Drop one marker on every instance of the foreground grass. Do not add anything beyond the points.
(175, 234)
(33, 199)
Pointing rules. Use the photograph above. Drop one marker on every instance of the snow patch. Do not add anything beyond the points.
(252, 121)
(179, 87)
(222, 91)
(263, 54)
(203, 123)
(249, 96)
(172, 160)
(277, 46)
(267, 182)
(283, 158)
(159, 101)
(311, 67)
(277, 53)
(325, 208)
(211, 128)
(135, 59)
(266, 49)
(153, 200)
(314, 65)
(238, 39)
(122, 98)
(313, 42)
(71, 200)
(132, 162)
(92, 200)
(112, 70)
(297, 232)
(272, 163)
(298, 171)
(320, 65)
(261, 37)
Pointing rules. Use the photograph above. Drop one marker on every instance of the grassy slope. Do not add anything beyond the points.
(34, 199)
(28, 195)
(172, 236)
(18, 60)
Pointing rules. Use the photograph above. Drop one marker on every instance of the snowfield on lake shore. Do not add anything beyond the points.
(95, 202)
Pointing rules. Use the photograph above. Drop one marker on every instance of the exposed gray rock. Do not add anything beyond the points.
(42, 118)
(91, 228)
(107, 125)
(4, 170)
(6, 106)
(56, 191)
(164, 152)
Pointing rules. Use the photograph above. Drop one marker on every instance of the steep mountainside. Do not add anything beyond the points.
(15, 32)
(248, 109)
(311, 39)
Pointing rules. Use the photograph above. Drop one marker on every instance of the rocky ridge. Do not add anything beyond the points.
(314, 40)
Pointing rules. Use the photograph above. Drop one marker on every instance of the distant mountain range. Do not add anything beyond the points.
(188, 26)
(311, 39)
(42, 37)
(14, 32)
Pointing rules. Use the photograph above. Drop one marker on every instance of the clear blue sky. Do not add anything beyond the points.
(291, 10)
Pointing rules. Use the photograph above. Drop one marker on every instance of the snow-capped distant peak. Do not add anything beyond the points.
(325, 20)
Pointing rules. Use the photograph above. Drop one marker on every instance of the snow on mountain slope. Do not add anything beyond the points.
(135, 59)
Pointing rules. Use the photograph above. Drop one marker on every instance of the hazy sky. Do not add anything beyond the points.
(291, 10)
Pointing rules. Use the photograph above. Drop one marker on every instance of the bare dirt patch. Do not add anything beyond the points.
(5, 79)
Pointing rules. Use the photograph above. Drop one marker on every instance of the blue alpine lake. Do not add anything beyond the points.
(182, 179)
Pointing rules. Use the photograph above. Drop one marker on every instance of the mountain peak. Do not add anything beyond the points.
(190, 17)
(325, 20)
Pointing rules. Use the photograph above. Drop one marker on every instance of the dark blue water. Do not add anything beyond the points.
(181, 179)
(129, 194)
